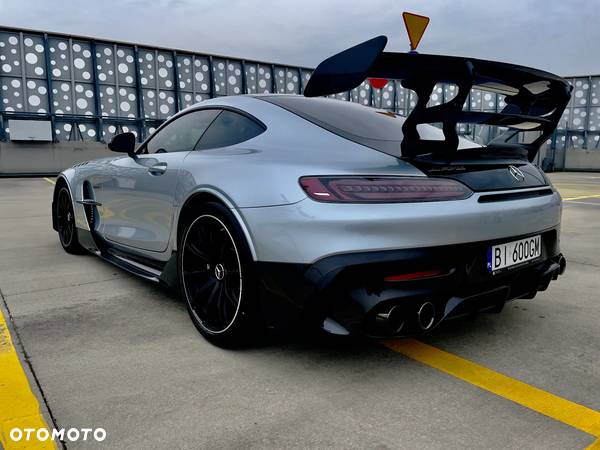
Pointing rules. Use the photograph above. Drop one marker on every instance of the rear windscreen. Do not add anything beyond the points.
(375, 128)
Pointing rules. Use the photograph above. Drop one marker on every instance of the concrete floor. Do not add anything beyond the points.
(113, 351)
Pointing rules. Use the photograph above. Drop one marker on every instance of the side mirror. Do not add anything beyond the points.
(123, 143)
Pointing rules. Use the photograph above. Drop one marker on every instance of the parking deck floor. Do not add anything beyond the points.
(101, 348)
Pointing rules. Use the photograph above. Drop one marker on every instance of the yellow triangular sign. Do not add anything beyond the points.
(415, 27)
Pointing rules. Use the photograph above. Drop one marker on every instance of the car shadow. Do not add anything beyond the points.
(319, 344)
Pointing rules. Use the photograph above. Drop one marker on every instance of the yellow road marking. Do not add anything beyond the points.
(581, 197)
(595, 445)
(18, 405)
(584, 203)
(49, 180)
(557, 408)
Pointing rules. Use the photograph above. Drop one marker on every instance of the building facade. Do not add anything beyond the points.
(90, 90)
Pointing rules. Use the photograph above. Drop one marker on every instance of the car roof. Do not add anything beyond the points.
(344, 118)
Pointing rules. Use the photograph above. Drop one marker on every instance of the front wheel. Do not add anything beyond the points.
(217, 278)
(65, 220)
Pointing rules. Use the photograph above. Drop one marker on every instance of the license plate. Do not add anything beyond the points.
(513, 253)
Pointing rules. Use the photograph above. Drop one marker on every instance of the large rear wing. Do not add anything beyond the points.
(535, 99)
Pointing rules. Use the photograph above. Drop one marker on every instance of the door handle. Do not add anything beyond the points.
(158, 169)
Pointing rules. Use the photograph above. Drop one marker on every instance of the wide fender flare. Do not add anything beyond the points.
(228, 202)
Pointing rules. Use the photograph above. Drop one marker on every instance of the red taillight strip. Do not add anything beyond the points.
(313, 187)
(364, 189)
(415, 275)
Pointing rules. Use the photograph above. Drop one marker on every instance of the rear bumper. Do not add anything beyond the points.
(307, 231)
(347, 293)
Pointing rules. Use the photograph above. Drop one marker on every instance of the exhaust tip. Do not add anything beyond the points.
(426, 316)
(562, 262)
(391, 321)
(332, 327)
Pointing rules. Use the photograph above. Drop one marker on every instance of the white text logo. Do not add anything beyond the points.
(62, 434)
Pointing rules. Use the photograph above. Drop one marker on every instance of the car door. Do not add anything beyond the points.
(138, 196)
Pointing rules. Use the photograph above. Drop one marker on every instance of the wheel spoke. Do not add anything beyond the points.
(213, 296)
(222, 305)
(198, 253)
(230, 296)
(233, 286)
(198, 278)
(224, 248)
(66, 220)
(67, 233)
(200, 291)
(202, 233)
(192, 273)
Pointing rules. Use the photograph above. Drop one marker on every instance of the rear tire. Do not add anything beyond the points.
(65, 220)
(217, 277)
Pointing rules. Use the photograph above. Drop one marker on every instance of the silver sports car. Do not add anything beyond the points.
(301, 212)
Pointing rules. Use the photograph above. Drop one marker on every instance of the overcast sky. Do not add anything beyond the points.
(562, 36)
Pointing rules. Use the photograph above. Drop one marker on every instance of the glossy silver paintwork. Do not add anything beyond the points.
(137, 202)
(310, 230)
(258, 181)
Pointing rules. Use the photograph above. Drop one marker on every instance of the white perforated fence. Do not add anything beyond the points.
(92, 89)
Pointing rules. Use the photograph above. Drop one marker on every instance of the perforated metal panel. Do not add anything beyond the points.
(93, 90)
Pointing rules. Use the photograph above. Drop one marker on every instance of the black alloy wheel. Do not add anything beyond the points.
(216, 277)
(65, 220)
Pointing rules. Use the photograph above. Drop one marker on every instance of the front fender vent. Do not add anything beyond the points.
(90, 210)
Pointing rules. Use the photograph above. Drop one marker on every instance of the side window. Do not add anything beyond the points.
(183, 133)
(228, 129)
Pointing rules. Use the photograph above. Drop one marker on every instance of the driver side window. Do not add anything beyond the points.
(183, 133)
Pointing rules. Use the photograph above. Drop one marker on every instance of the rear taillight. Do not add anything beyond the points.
(383, 190)
(416, 275)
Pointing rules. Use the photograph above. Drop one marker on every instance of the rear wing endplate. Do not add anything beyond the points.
(535, 99)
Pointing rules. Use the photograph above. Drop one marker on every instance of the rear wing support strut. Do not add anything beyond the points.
(535, 100)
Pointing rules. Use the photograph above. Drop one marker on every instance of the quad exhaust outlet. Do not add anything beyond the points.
(562, 263)
(392, 321)
(398, 318)
(426, 316)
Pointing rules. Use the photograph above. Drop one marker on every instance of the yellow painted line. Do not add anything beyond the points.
(584, 203)
(595, 445)
(18, 406)
(581, 197)
(557, 408)
(49, 180)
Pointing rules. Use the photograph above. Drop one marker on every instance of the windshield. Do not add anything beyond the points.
(375, 128)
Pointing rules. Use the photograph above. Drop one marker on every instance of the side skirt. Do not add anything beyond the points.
(151, 270)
